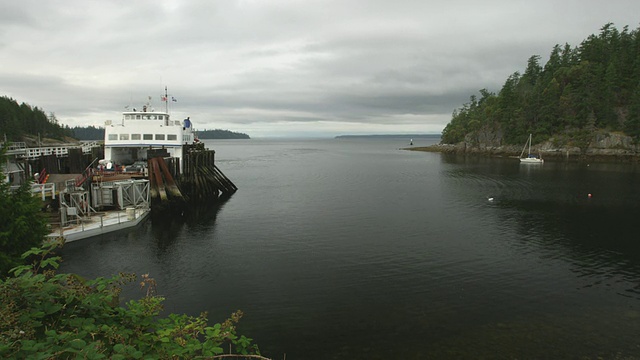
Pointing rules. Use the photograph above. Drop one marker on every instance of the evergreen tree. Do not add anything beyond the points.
(632, 125)
(17, 121)
(593, 86)
(23, 226)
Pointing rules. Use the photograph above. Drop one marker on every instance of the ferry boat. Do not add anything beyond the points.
(141, 132)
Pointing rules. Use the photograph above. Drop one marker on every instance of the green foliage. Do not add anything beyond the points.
(48, 315)
(19, 120)
(592, 86)
(23, 225)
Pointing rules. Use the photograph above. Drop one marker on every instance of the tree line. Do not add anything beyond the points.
(88, 133)
(595, 85)
(18, 120)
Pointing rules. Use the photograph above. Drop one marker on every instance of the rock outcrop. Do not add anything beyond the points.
(603, 146)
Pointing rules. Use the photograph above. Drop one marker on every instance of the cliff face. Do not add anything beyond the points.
(613, 141)
(600, 144)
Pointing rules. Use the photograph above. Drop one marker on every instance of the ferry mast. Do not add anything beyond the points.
(166, 100)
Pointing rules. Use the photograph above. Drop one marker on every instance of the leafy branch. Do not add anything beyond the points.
(55, 315)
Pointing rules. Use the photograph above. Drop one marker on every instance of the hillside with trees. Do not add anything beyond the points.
(579, 91)
(20, 120)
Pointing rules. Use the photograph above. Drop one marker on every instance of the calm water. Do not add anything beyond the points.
(354, 249)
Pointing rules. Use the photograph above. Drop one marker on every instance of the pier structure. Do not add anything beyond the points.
(50, 164)
(200, 180)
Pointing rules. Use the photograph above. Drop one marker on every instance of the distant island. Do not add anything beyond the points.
(94, 133)
(221, 134)
(391, 136)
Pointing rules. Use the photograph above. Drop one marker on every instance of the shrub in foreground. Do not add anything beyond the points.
(45, 314)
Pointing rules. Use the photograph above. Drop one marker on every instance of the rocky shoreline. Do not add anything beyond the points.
(604, 148)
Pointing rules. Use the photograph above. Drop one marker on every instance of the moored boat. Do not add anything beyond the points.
(530, 158)
(144, 133)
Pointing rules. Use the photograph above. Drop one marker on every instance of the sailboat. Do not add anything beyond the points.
(530, 159)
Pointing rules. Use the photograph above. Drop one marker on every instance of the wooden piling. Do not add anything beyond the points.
(168, 179)
(201, 180)
(157, 182)
(201, 177)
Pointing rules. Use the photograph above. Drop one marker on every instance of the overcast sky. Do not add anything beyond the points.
(282, 67)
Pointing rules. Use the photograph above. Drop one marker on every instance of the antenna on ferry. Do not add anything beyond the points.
(166, 100)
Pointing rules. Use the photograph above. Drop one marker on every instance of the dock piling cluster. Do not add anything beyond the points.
(201, 178)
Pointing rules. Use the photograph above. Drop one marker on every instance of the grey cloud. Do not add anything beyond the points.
(245, 62)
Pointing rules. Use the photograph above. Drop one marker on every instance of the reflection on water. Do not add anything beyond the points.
(355, 249)
(169, 227)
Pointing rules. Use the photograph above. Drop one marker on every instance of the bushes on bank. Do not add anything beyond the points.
(45, 314)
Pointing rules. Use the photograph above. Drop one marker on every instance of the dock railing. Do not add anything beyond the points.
(44, 190)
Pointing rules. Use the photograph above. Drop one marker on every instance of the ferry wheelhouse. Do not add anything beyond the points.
(141, 132)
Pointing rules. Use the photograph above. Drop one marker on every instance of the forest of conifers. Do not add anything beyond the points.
(595, 86)
(18, 120)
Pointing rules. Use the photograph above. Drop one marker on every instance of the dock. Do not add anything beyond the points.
(100, 223)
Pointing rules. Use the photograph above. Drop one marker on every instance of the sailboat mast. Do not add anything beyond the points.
(529, 144)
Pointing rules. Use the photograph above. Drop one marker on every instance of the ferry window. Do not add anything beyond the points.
(172, 137)
(159, 136)
(147, 137)
(135, 136)
(124, 136)
(113, 136)
(138, 117)
(160, 117)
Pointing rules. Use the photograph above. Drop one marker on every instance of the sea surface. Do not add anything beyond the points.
(357, 249)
